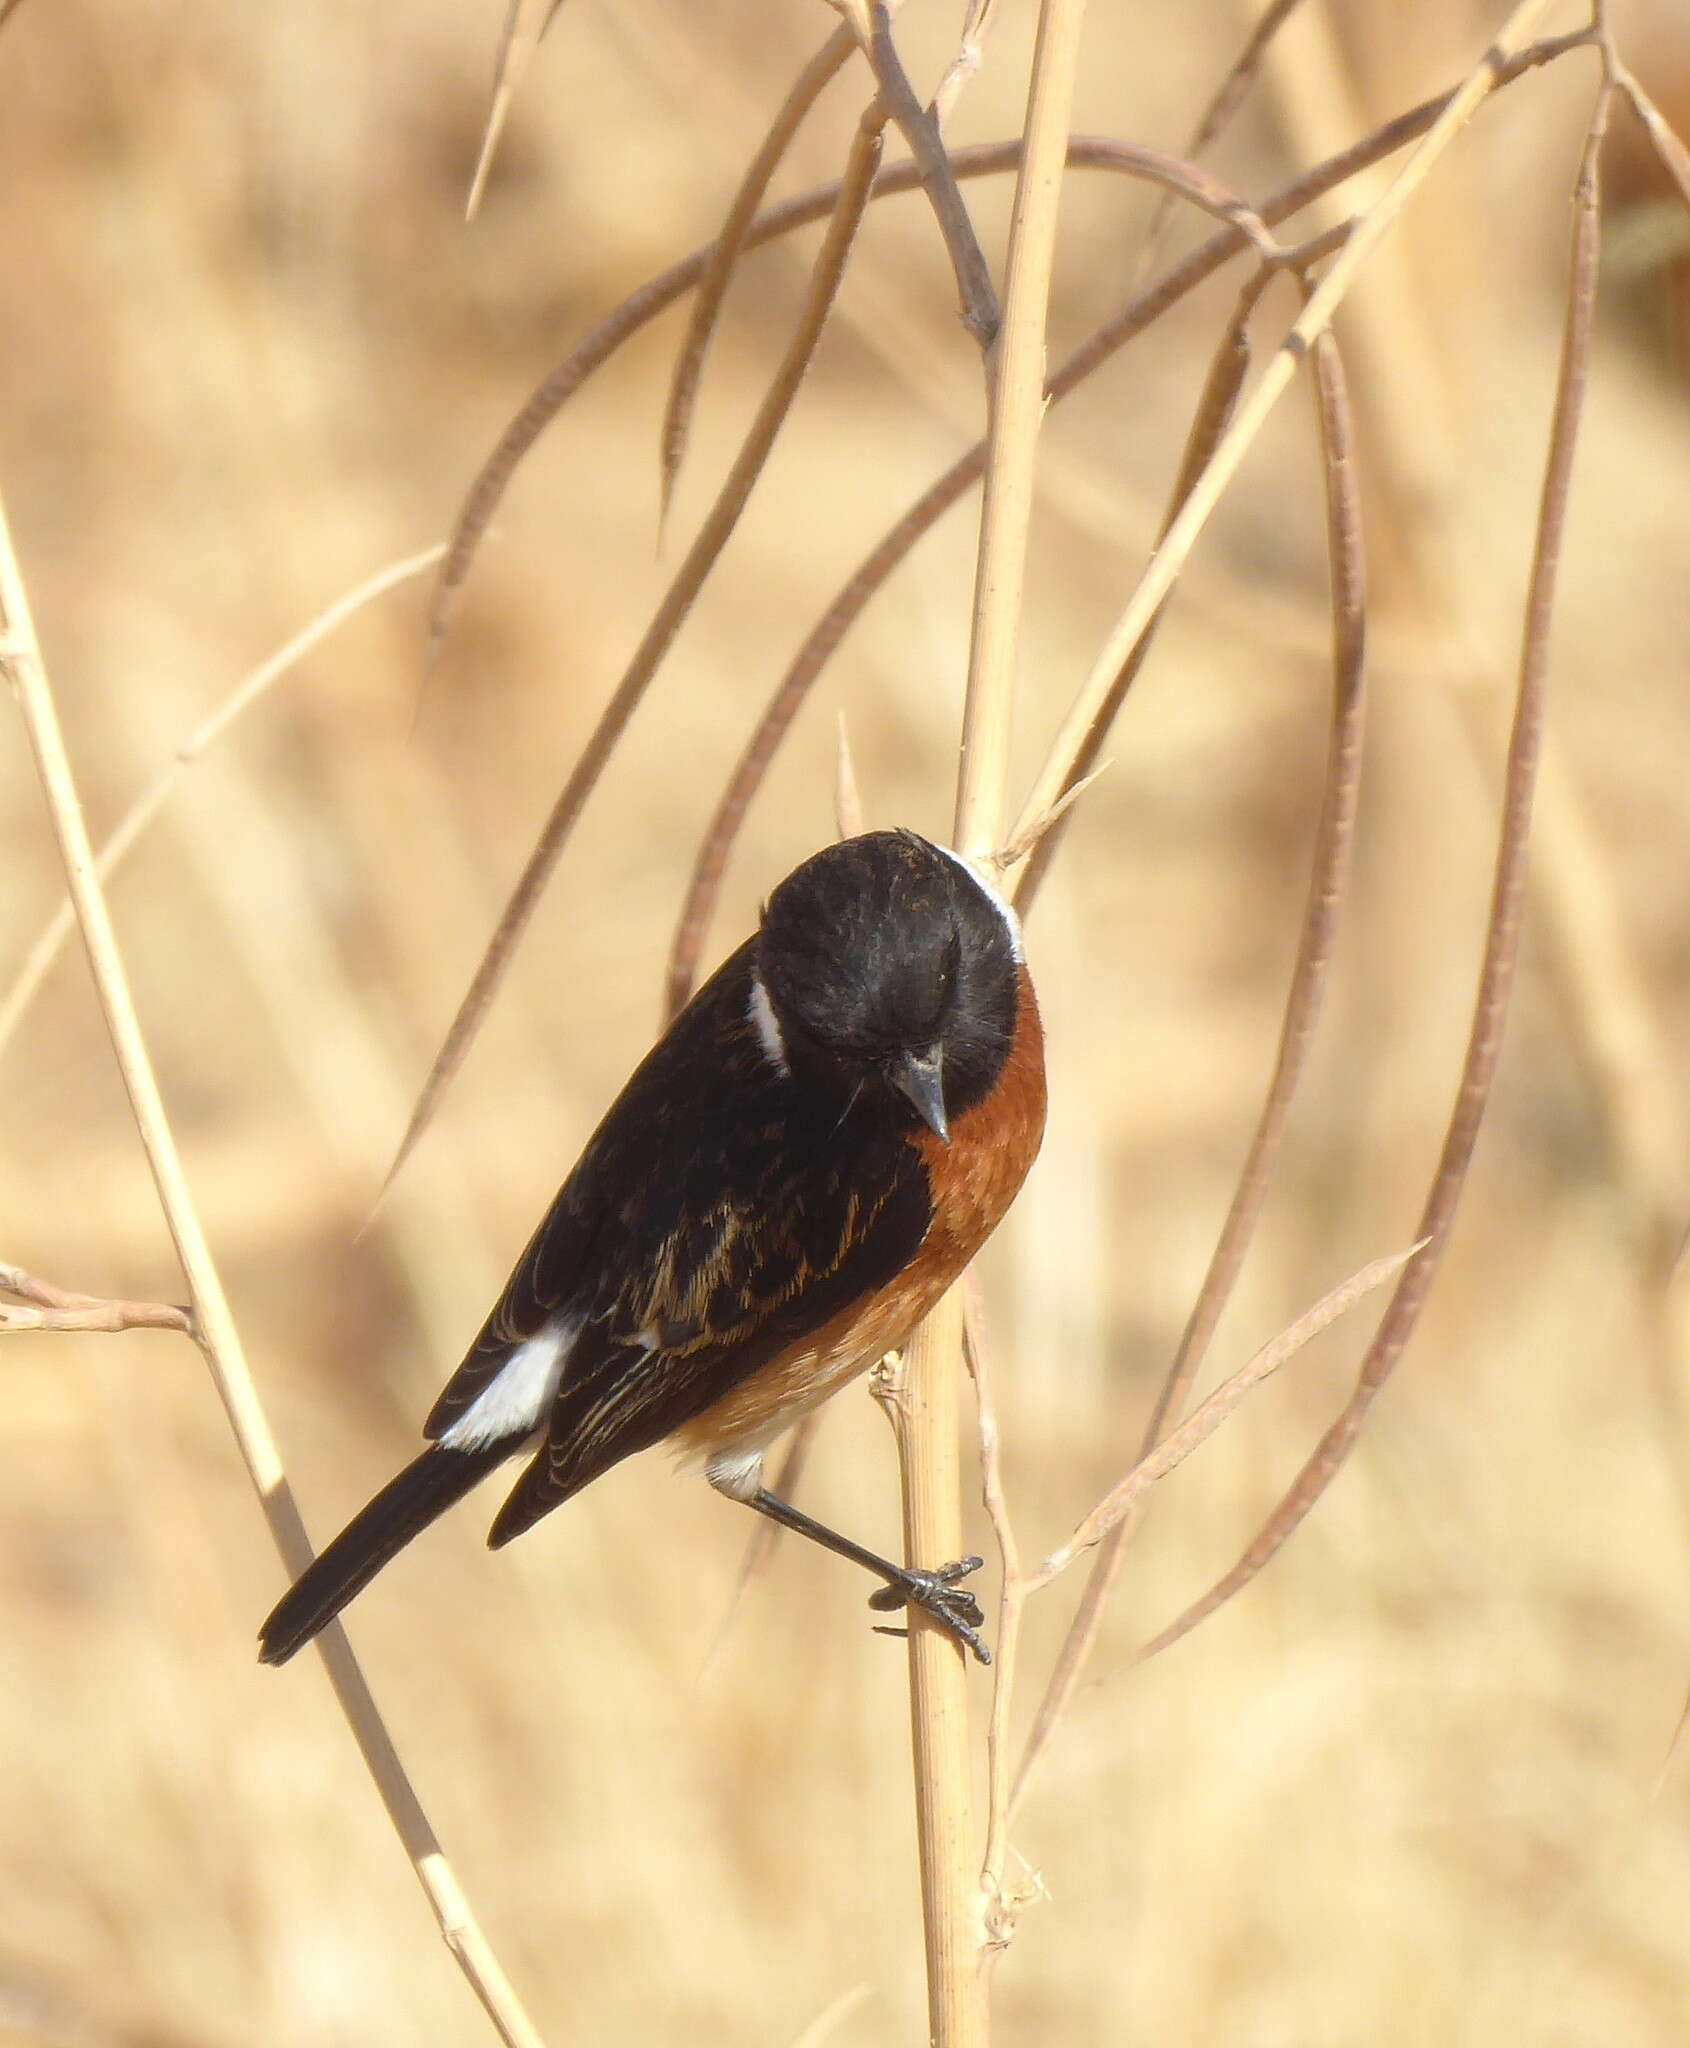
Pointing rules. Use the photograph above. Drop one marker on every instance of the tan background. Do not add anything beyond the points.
(1404, 1790)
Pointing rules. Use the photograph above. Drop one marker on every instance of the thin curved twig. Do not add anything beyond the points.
(38, 961)
(214, 1327)
(1328, 877)
(46, 1307)
(725, 252)
(677, 602)
(1146, 306)
(657, 294)
(1502, 932)
(1366, 233)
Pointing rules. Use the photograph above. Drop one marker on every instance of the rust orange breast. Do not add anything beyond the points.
(972, 1181)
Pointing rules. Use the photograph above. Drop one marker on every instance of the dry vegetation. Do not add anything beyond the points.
(1411, 1786)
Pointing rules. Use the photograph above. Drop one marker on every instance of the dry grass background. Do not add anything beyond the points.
(1404, 1789)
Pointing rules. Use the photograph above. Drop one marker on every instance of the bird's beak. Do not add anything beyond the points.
(918, 1076)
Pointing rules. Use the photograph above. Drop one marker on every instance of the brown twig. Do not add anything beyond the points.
(1173, 1449)
(871, 23)
(38, 961)
(677, 602)
(1224, 102)
(1328, 876)
(54, 1308)
(213, 1325)
(594, 349)
(1496, 971)
(1365, 235)
(517, 44)
(1216, 404)
(1144, 308)
(727, 248)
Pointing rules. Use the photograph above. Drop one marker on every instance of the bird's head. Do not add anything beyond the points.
(888, 969)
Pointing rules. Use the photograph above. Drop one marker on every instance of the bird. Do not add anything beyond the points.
(790, 1179)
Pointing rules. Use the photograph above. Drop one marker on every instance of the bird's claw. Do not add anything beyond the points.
(939, 1597)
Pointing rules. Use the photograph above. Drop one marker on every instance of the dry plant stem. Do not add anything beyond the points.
(213, 1324)
(677, 602)
(1015, 388)
(1328, 878)
(1228, 97)
(1216, 404)
(1496, 971)
(971, 52)
(1365, 235)
(982, 160)
(1178, 1445)
(921, 1399)
(836, 621)
(39, 960)
(929, 1441)
(47, 1307)
(871, 23)
(725, 252)
(997, 1908)
(521, 38)
(1675, 158)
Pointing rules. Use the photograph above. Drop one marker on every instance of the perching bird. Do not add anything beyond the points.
(792, 1177)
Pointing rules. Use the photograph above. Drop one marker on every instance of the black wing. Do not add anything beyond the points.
(719, 1214)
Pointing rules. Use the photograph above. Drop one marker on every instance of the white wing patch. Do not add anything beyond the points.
(515, 1401)
(767, 1026)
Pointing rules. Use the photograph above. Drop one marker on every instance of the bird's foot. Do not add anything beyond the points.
(939, 1596)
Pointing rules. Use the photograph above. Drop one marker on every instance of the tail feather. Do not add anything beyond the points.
(426, 1488)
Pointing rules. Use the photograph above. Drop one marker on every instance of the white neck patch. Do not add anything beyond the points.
(999, 903)
(767, 1026)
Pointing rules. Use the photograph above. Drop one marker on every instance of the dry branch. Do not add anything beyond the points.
(213, 1324)
(38, 961)
(1502, 931)
(47, 1307)
(677, 602)
(1328, 877)
(725, 251)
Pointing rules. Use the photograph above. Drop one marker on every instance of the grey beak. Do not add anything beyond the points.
(918, 1076)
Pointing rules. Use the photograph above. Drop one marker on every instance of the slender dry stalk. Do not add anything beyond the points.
(965, 65)
(1224, 102)
(517, 44)
(1366, 234)
(929, 1412)
(47, 1307)
(38, 961)
(1675, 158)
(1173, 1449)
(1140, 312)
(1017, 405)
(1502, 931)
(1328, 878)
(725, 253)
(213, 1324)
(999, 1907)
(677, 602)
(1216, 404)
(871, 24)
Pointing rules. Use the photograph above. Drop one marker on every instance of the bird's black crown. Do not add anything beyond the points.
(883, 950)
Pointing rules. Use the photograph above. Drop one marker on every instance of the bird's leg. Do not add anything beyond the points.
(936, 1593)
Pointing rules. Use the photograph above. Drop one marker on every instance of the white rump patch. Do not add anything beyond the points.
(514, 1402)
(767, 1025)
(1001, 904)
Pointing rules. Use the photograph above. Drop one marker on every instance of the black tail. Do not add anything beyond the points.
(404, 1508)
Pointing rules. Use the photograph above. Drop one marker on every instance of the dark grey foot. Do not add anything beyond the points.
(938, 1595)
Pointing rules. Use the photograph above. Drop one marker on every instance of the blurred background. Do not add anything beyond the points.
(1408, 1788)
